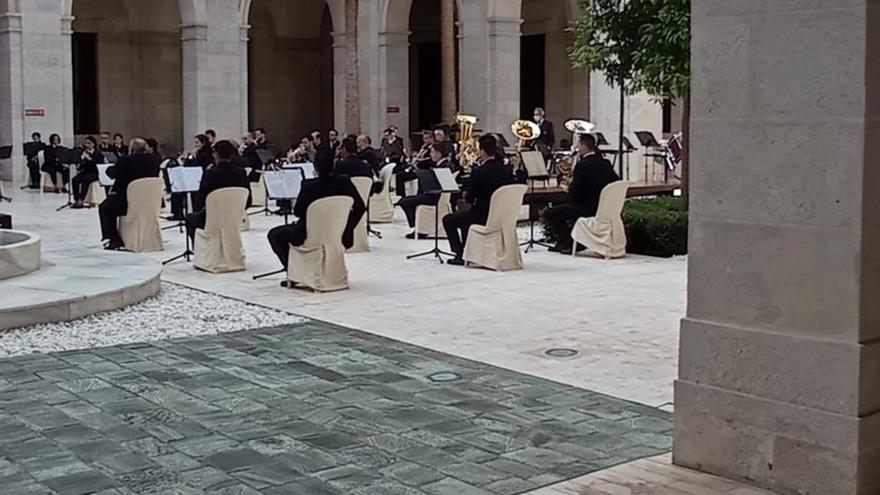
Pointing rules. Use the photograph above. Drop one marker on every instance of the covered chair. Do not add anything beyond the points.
(95, 195)
(319, 263)
(382, 204)
(361, 236)
(139, 228)
(495, 245)
(218, 247)
(604, 234)
(258, 193)
(426, 220)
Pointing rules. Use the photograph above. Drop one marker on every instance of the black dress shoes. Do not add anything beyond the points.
(457, 261)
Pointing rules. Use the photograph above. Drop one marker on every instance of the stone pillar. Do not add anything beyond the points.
(394, 71)
(11, 125)
(447, 51)
(244, 68)
(194, 62)
(67, 80)
(780, 349)
(339, 57)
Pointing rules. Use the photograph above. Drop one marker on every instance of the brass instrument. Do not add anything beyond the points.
(525, 131)
(467, 142)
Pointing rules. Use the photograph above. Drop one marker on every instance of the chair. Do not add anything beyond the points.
(95, 195)
(139, 228)
(319, 263)
(258, 193)
(218, 247)
(604, 234)
(426, 221)
(361, 236)
(382, 204)
(496, 245)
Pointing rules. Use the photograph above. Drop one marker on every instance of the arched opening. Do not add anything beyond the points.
(290, 71)
(127, 69)
(546, 77)
(425, 64)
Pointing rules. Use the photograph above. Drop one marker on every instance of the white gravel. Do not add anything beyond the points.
(176, 311)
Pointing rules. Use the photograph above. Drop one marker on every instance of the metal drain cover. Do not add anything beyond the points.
(444, 376)
(561, 352)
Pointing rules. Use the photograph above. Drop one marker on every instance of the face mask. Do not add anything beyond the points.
(538, 118)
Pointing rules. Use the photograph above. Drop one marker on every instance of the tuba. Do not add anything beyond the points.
(525, 131)
(467, 142)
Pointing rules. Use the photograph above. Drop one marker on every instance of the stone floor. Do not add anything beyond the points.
(311, 408)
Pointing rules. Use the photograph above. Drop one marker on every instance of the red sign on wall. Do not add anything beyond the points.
(393, 110)
(34, 112)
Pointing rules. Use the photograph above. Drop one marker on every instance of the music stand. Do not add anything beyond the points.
(436, 181)
(266, 155)
(536, 168)
(67, 158)
(5, 154)
(184, 180)
(109, 156)
(284, 184)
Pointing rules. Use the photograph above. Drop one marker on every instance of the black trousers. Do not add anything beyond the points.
(456, 226)
(409, 205)
(195, 221)
(560, 220)
(281, 238)
(34, 172)
(81, 185)
(401, 177)
(54, 171)
(112, 208)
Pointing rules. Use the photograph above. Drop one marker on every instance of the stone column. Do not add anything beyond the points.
(67, 80)
(339, 57)
(194, 67)
(244, 68)
(447, 49)
(11, 125)
(394, 85)
(780, 349)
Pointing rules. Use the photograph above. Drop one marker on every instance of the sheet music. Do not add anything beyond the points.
(103, 178)
(308, 169)
(283, 184)
(185, 179)
(534, 163)
(446, 179)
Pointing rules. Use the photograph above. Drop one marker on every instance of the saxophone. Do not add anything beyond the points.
(467, 142)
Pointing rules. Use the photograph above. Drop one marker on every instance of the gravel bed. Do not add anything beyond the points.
(176, 311)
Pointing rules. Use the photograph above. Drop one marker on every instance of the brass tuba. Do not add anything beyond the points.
(468, 147)
(525, 131)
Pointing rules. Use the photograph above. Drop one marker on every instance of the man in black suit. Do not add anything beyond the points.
(327, 184)
(591, 174)
(138, 164)
(368, 154)
(547, 140)
(32, 151)
(409, 204)
(333, 139)
(485, 180)
(251, 158)
(227, 171)
(350, 164)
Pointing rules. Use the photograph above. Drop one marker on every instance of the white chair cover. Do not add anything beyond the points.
(218, 247)
(95, 195)
(426, 220)
(604, 234)
(258, 193)
(496, 245)
(382, 204)
(140, 228)
(320, 262)
(361, 237)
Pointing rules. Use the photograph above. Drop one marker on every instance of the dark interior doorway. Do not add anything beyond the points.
(86, 109)
(532, 74)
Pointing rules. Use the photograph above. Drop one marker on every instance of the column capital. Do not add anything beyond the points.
(244, 32)
(10, 23)
(193, 32)
(394, 38)
(67, 24)
(504, 26)
(339, 39)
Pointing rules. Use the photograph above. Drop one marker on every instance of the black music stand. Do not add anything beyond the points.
(289, 192)
(432, 183)
(69, 158)
(5, 154)
(537, 171)
(31, 148)
(185, 186)
(648, 141)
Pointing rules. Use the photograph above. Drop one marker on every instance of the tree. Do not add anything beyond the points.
(352, 71)
(664, 67)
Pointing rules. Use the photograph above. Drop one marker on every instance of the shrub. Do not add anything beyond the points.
(656, 226)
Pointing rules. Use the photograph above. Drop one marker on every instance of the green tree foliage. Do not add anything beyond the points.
(663, 64)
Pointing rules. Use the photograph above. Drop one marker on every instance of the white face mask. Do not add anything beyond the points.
(538, 118)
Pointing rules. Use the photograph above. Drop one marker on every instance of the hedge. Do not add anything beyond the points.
(656, 226)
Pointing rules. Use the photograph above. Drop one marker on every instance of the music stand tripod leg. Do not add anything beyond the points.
(436, 251)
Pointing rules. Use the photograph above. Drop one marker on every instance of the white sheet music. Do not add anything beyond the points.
(185, 179)
(446, 179)
(534, 163)
(103, 178)
(283, 184)
(308, 169)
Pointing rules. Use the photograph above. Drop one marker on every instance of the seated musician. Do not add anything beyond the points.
(333, 139)
(485, 179)
(52, 164)
(138, 164)
(251, 157)
(409, 204)
(202, 156)
(119, 146)
(349, 164)
(33, 160)
(106, 145)
(405, 172)
(327, 184)
(87, 170)
(392, 149)
(591, 174)
(227, 171)
(368, 154)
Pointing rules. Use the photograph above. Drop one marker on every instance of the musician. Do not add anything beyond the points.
(318, 141)
(250, 156)
(547, 140)
(52, 164)
(392, 149)
(333, 139)
(138, 164)
(87, 170)
(490, 175)
(212, 136)
(591, 174)
(327, 184)
(227, 171)
(261, 139)
(439, 159)
(368, 154)
(349, 164)
(106, 145)
(119, 146)
(33, 159)
(405, 172)
(202, 156)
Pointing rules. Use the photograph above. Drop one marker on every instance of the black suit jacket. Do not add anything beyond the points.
(590, 176)
(353, 166)
(251, 157)
(371, 156)
(89, 165)
(548, 135)
(485, 180)
(223, 174)
(324, 187)
(130, 168)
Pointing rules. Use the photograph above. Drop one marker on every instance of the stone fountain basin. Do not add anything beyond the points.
(19, 253)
